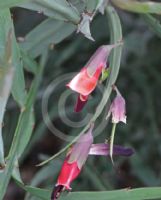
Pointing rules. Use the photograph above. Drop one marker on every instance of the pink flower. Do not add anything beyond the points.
(117, 109)
(77, 157)
(73, 163)
(86, 80)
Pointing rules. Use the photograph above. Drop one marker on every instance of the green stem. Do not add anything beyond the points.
(116, 36)
(112, 141)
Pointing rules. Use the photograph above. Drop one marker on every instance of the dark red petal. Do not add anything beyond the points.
(81, 101)
(56, 192)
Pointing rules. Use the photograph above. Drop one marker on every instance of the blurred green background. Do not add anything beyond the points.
(139, 82)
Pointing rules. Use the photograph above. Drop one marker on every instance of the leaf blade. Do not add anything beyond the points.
(57, 31)
(61, 9)
(10, 3)
(23, 118)
(153, 23)
(123, 194)
(138, 7)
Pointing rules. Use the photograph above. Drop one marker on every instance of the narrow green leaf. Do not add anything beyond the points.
(58, 9)
(16, 173)
(42, 194)
(124, 194)
(6, 77)
(10, 3)
(29, 64)
(55, 32)
(24, 117)
(27, 133)
(18, 87)
(153, 23)
(138, 7)
(91, 5)
(96, 5)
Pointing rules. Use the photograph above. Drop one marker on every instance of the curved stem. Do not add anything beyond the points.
(116, 37)
(112, 141)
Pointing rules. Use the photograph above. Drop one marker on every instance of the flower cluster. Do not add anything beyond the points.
(77, 156)
(84, 83)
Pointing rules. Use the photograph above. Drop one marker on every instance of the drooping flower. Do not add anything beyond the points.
(118, 109)
(73, 163)
(77, 157)
(86, 80)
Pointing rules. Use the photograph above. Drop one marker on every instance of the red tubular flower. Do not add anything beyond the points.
(86, 80)
(69, 172)
(77, 157)
(73, 163)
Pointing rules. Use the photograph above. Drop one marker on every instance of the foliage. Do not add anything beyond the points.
(39, 46)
